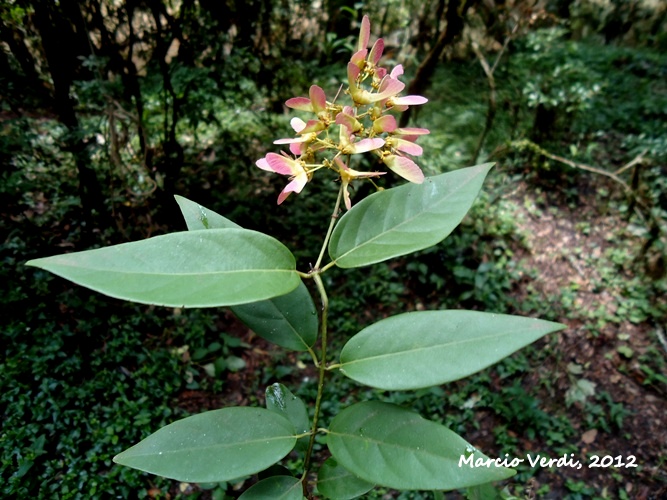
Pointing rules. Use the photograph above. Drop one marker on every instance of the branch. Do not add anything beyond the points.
(637, 160)
(526, 144)
(489, 70)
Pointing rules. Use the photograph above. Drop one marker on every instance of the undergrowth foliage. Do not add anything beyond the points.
(218, 263)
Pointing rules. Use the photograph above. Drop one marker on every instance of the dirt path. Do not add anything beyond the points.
(601, 365)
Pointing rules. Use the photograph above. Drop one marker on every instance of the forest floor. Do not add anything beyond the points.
(568, 249)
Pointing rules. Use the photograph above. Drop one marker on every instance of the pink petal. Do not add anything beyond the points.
(300, 103)
(288, 140)
(404, 167)
(376, 51)
(313, 126)
(380, 73)
(410, 100)
(366, 145)
(410, 138)
(294, 140)
(344, 138)
(358, 57)
(364, 33)
(350, 122)
(263, 164)
(296, 149)
(346, 198)
(389, 87)
(295, 186)
(363, 175)
(407, 147)
(318, 99)
(297, 124)
(385, 123)
(352, 74)
(280, 164)
(412, 131)
(396, 72)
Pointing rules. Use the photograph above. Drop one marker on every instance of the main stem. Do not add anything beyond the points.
(321, 373)
(316, 274)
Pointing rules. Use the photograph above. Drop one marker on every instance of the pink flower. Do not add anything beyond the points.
(347, 175)
(316, 104)
(285, 165)
(359, 57)
(362, 44)
(376, 52)
(404, 167)
(390, 87)
(385, 123)
(402, 103)
(347, 117)
(404, 145)
(410, 134)
(364, 126)
(397, 71)
(348, 147)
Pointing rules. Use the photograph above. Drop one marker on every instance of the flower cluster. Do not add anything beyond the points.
(336, 132)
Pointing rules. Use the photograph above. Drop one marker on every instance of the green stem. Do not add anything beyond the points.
(322, 366)
(334, 218)
(321, 373)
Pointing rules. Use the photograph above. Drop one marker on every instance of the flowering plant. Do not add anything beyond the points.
(362, 127)
(217, 263)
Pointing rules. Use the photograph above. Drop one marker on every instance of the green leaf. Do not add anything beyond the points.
(278, 487)
(426, 348)
(198, 217)
(393, 447)
(405, 219)
(187, 269)
(234, 363)
(289, 321)
(485, 491)
(336, 482)
(214, 446)
(280, 399)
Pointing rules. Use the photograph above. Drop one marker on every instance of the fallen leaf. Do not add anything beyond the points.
(589, 436)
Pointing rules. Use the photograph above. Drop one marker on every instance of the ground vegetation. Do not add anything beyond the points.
(109, 109)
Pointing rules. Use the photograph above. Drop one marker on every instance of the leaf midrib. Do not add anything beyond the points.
(210, 447)
(436, 346)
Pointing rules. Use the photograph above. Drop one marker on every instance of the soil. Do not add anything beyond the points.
(565, 258)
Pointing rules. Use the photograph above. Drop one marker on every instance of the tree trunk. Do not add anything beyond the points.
(62, 47)
(456, 10)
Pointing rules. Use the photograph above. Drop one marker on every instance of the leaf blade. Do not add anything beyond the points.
(289, 320)
(214, 446)
(394, 447)
(405, 219)
(199, 217)
(281, 400)
(426, 348)
(187, 269)
(336, 482)
(275, 487)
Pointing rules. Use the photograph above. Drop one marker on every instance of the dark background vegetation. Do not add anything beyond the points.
(108, 109)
